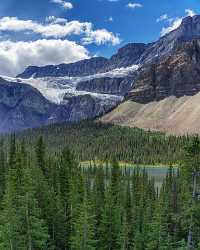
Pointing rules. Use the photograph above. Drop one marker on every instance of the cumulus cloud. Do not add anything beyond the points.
(16, 56)
(53, 19)
(55, 28)
(63, 4)
(174, 23)
(134, 5)
(60, 28)
(100, 37)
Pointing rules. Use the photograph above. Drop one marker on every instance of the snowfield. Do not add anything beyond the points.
(56, 88)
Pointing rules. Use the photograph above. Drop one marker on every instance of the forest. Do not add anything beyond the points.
(50, 201)
(89, 140)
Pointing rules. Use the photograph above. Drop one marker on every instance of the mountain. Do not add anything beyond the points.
(107, 85)
(125, 57)
(165, 95)
(81, 68)
(166, 45)
(143, 75)
(175, 75)
(22, 106)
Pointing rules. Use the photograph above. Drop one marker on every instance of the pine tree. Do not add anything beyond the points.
(21, 226)
(40, 155)
(83, 236)
(2, 169)
(35, 229)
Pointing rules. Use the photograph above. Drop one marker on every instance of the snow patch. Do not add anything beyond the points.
(55, 88)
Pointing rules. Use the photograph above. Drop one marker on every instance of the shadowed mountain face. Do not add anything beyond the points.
(176, 75)
(107, 85)
(171, 66)
(144, 74)
(22, 106)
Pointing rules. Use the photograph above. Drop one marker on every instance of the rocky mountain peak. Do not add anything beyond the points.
(189, 28)
(127, 55)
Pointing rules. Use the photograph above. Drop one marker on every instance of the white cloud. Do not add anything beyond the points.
(16, 56)
(65, 5)
(52, 29)
(134, 5)
(100, 36)
(162, 18)
(60, 28)
(53, 19)
(190, 12)
(176, 22)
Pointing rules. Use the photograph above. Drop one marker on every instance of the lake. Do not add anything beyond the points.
(157, 172)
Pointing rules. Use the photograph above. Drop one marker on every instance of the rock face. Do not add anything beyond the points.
(165, 46)
(176, 75)
(107, 85)
(166, 91)
(127, 56)
(86, 107)
(22, 106)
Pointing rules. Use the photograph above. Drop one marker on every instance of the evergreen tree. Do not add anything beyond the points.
(40, 155)
(83, 236)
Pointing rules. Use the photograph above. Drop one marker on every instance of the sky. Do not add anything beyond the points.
(41, 32)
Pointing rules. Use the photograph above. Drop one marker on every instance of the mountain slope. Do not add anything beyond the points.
(175, 75)
(171, 115)
(166, 92)
(22, 106)
(143, 74)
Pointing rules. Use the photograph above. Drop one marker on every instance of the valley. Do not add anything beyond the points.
(99, 153)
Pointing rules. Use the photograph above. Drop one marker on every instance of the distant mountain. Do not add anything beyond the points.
(140, 73)
(22, 106)
(125, 57)
(81, 68)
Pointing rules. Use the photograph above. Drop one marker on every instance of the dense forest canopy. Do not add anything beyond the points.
(90, 140)
(49, 201)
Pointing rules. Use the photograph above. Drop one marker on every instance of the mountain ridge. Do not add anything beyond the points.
(142, 73)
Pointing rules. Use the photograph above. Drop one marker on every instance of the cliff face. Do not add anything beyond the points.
(115, 86)
(166, 91)
(166, 45)
(176, 75)
(22, 106)
(127, 55)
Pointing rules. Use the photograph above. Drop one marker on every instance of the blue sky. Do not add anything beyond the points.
(31, 30)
